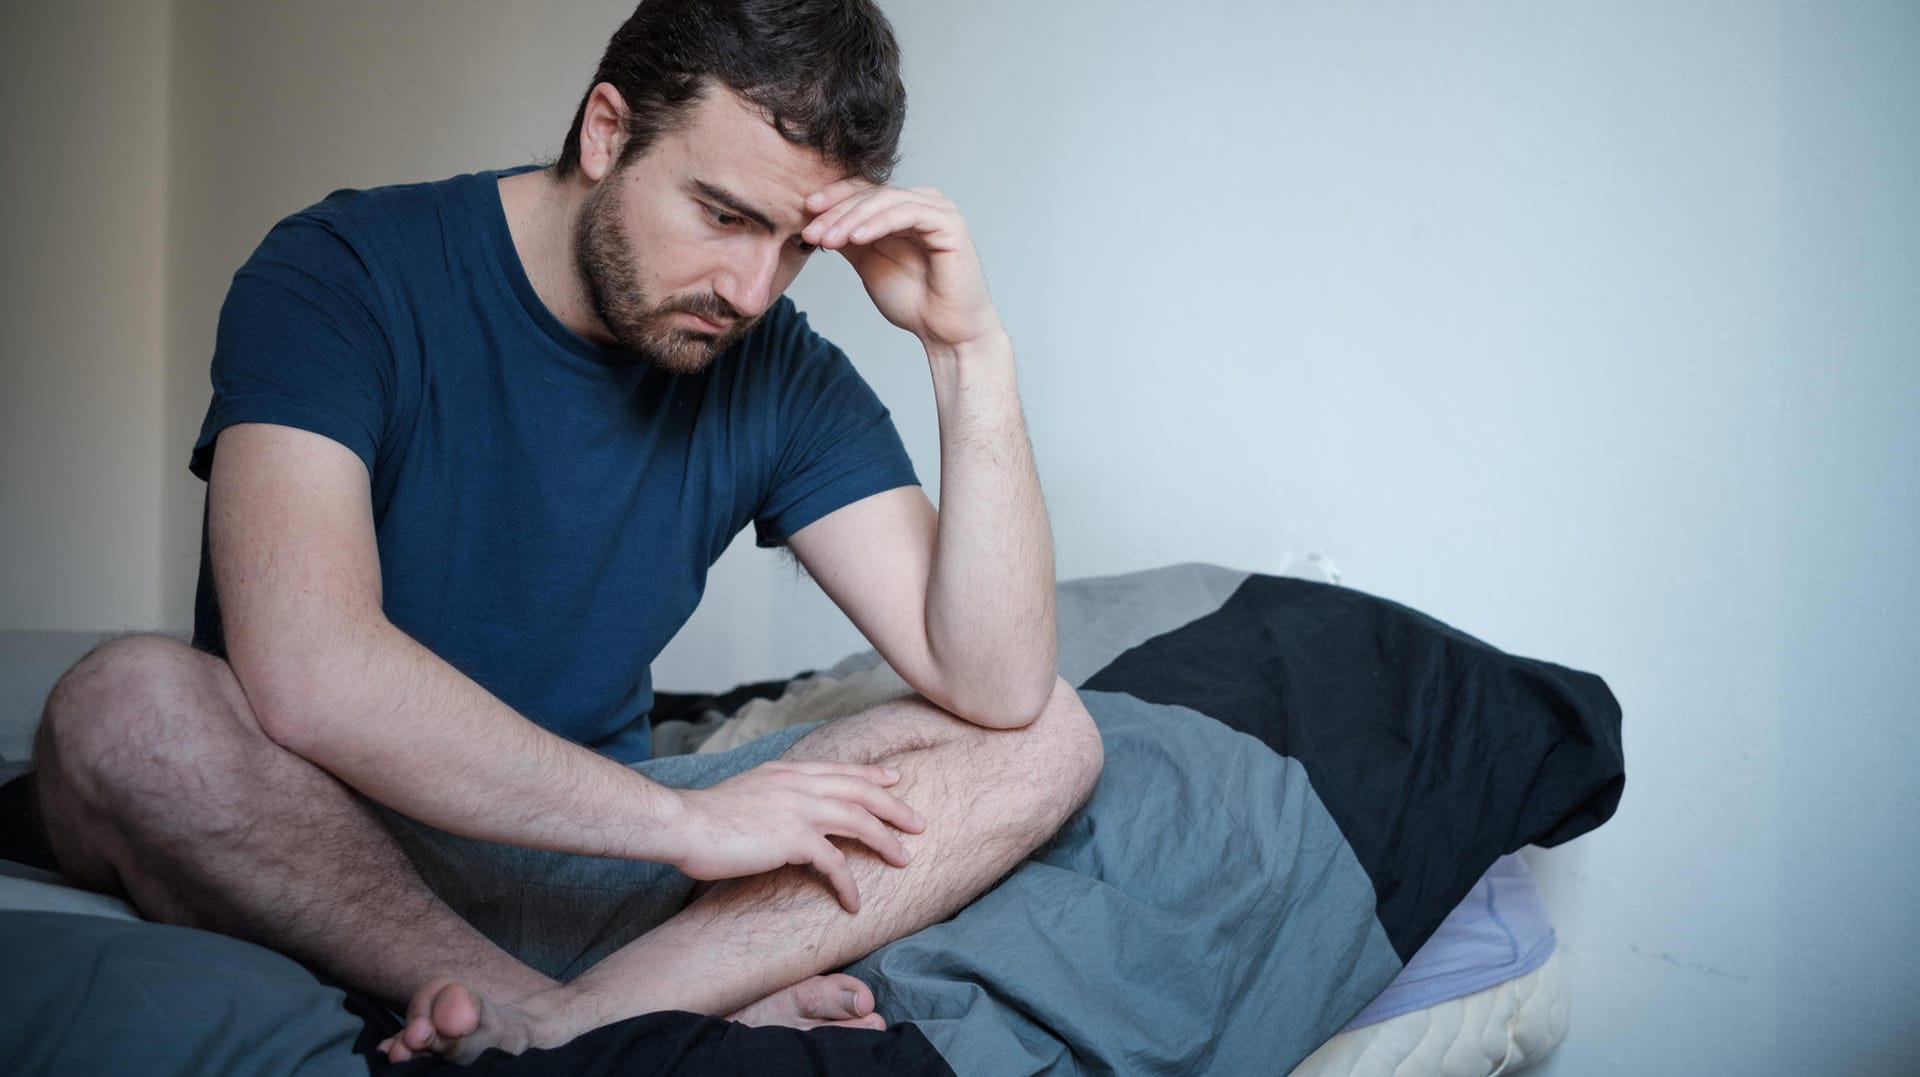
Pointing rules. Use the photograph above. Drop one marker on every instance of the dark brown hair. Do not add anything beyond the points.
(825, 72)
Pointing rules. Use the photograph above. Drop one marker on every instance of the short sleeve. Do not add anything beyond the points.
(837, 441)
(300, 343)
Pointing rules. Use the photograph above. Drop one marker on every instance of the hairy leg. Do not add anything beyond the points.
(157, 784)
(990, 797)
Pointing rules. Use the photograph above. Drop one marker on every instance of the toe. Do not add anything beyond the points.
(871, 1021)
(857, 996)
(418, 1035)
(454, 1013)
(833, 998)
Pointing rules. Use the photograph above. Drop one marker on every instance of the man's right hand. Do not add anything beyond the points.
(781, 813)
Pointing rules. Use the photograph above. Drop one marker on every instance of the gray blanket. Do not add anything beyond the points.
(1301, 781)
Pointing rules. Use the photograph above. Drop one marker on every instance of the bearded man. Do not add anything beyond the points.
(472, 448)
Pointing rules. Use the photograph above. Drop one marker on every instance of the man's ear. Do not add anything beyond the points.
(603, 131)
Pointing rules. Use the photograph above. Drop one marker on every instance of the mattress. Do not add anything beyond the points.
(1502, 1029)
(1485, 994)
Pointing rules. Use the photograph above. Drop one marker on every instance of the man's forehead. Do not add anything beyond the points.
(735, 151)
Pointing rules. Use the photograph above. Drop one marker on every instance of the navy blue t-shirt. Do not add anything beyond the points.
(546, 508)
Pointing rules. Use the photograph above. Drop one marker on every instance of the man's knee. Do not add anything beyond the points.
(1067, 748)
(1045, 769)
(131, 706)
(1051, 763)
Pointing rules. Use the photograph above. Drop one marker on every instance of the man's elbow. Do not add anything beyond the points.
(295, 698)
(285, 702)
(1009, 705)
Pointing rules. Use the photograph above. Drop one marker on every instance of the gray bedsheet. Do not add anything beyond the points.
(1301, 782)
(1160, 932)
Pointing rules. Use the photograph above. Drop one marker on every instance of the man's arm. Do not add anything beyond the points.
(960, 602)
(297, 571)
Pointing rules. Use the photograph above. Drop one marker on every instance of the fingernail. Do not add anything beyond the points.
(851, 1001)
(859, 233)
(919, 820)
(892, 774)
(906, 854)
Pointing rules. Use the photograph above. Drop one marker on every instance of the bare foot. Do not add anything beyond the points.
(837, 1001)
(447, 1018)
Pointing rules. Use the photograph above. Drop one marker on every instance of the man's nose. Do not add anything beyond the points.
(748, 286)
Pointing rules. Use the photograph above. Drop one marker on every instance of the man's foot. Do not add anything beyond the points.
(837, 1001)
(447, 1018)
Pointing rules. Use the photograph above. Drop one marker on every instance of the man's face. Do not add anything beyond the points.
(684, 247)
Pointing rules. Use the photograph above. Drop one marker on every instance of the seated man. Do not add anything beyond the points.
(478, 442)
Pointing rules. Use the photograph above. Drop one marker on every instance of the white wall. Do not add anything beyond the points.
(1594, 329)
(1590, 328)
(83, 126)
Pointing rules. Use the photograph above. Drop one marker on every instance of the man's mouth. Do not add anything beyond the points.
(704, 324)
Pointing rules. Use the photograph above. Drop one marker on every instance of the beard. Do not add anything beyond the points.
(604, 258)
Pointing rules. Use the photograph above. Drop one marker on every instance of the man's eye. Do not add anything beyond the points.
(722, 218)
(805, 247)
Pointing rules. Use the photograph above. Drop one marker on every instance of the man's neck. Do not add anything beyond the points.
(540, 217)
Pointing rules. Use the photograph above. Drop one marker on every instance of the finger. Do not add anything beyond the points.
(861, 826)
(832, 863)
(855, 791)
(931, 194)
(886, 807)
(825, 229)
(833, 193)
(869, 222)
(816, 229)
(853, 223)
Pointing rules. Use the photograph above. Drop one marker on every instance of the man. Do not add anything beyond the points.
(472, 448)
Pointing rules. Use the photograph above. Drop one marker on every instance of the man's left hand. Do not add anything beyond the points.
(911, 249)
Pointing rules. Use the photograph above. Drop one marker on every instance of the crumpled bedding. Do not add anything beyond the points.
(1301, 782)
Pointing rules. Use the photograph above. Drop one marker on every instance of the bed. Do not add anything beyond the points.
(1305, 787)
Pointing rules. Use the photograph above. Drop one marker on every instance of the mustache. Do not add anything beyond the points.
(709, 306)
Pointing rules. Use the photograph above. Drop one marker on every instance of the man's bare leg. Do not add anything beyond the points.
(989, 798)
(158, 785)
